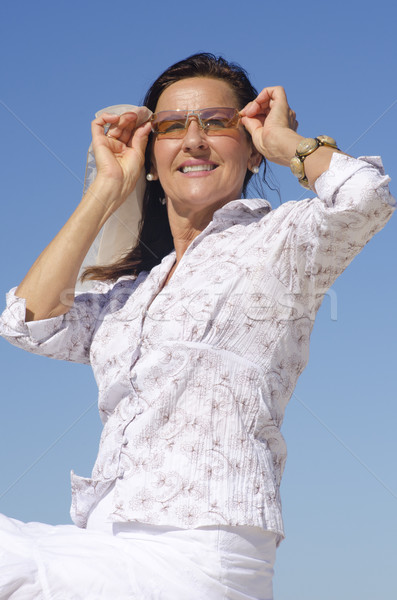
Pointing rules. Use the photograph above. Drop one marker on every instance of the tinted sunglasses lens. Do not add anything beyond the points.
(216, 119)
(172, 124)
(169, 123)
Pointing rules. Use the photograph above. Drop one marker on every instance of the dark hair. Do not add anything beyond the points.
(155, 239)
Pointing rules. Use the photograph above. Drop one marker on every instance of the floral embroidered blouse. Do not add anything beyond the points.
(194, 376)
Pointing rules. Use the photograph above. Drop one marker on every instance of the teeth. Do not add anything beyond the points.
(197, 168)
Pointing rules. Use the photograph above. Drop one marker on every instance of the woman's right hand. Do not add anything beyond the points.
(120, 153)
(49, 284)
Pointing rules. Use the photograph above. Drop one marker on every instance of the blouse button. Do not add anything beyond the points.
(125, 441)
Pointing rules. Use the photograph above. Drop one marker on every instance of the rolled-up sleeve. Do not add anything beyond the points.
(359, 185)
(353, 203)
(66, 337)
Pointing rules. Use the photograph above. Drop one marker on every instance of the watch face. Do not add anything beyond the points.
(306, 146)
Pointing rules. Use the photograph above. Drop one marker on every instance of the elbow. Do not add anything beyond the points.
(40, 315)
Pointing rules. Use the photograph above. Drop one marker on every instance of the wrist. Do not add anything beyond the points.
(284, 147)
(102, 199)
(305, 151)
(107, 190)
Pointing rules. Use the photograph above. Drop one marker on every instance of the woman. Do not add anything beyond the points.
(197, 337)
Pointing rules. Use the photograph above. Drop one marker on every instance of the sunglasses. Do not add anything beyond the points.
(213, 121)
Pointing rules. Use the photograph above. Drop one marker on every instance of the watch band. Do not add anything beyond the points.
(306, 147)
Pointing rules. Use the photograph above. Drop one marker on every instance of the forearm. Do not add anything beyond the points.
(272, 125)
(315, 164)
(49, 285)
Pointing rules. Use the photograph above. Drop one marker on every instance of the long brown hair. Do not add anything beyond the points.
(155, 239)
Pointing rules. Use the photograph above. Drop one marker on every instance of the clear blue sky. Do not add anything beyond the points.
(62, 61)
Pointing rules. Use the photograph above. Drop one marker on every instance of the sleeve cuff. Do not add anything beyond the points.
(342, 168)
(13, 324)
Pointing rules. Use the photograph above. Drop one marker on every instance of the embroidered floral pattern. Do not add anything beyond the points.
(194, 377)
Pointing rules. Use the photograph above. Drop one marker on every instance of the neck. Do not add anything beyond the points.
(186, 224)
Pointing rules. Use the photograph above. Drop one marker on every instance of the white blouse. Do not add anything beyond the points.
(194, 377)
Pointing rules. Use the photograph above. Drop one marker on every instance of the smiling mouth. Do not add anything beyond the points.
(194, 168)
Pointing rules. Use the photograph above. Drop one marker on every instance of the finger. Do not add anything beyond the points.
(140, 138)
(246, 108)
(275, 92)
(251, 124)
(98, 125)
(265, 100)
(123, 129)
(255, 107)
(115, 145)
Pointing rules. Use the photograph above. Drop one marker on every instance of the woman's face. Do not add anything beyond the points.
(229, 154)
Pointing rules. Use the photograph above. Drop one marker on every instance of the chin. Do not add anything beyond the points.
(205, 197)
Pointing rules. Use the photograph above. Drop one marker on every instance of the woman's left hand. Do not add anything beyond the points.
(272, 125)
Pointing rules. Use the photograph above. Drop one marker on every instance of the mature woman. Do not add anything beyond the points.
(196, 336)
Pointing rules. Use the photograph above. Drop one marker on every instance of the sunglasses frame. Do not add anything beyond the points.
(188, 114)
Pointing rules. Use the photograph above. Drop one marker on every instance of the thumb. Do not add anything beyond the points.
(140, 138)
(251, 124)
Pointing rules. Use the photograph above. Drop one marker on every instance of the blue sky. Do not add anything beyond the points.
(62, 61)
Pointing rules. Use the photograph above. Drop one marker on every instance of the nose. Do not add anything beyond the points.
(195, 138)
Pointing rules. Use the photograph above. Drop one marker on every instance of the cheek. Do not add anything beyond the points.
(237, 156)
(162, 156)
(231, 134)
(233, 144)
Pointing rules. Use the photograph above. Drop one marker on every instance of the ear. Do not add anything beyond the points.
(254, 159)
(152, 174)
(153, 166)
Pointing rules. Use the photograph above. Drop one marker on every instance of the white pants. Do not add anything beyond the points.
(136, 561)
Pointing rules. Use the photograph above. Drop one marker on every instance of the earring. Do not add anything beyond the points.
(150, 177)
(255, 170)
(162, 201)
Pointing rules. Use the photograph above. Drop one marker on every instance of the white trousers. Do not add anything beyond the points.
(135, 561)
